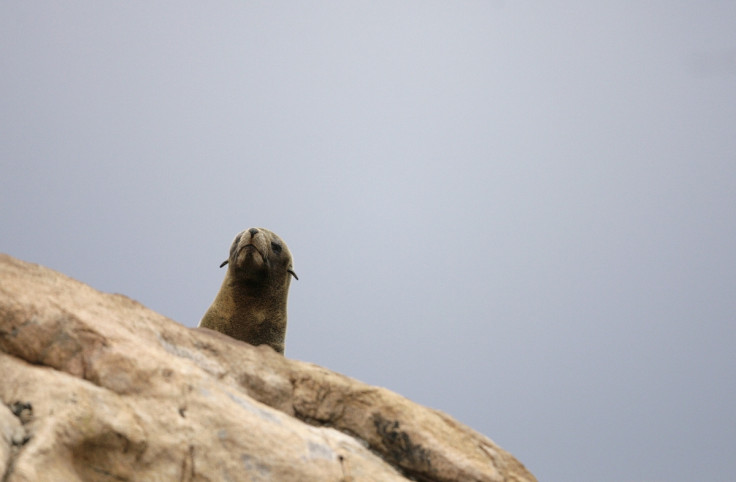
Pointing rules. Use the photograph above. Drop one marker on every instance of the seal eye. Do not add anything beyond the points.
(276, 247)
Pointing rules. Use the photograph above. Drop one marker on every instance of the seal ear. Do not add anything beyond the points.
(223, 263)
(291, 271)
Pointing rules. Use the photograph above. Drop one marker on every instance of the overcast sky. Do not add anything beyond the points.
(520, 213)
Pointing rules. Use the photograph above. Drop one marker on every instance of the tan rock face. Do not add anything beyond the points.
(97, 387)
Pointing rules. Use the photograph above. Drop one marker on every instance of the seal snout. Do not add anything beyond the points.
(248, 248)
(252, 248)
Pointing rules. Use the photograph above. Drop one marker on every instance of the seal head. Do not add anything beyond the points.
(251, 303)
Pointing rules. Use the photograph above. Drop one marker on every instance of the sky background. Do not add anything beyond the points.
(520, 213)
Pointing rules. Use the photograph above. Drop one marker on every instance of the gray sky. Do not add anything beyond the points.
(520, 213)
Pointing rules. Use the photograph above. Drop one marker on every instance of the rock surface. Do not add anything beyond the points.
(97, 387)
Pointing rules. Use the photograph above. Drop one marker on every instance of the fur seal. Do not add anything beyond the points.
(251, 303)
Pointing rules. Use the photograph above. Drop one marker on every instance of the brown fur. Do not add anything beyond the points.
(251, 303)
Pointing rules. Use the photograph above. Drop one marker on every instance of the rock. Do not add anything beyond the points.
(12, 435)
(97, 387)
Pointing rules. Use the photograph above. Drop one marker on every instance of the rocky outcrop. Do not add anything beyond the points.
(97, 387)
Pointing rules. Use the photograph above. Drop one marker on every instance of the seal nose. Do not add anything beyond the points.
(253, 231)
